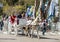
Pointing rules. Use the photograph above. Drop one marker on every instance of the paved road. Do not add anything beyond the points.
(20, 38)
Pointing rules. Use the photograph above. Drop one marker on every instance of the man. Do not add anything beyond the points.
(13, 23)
(1, 25)
(44, 28)
(13, 17)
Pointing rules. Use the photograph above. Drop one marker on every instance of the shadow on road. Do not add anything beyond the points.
(34, 36)
(7, 39)
(41, 37)
(49, 38)
(46, 38)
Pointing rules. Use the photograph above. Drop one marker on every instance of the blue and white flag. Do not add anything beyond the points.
(28, 11)
(51, 11)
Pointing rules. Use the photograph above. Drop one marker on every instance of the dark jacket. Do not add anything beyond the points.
(1, 23)
(44, 26)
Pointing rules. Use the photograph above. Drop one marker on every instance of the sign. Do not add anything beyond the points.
(22, 22)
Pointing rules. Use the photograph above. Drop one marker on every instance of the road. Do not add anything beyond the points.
(20, 38)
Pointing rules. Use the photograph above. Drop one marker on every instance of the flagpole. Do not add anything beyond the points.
(41, 2)
(39, 14)
(34, 10)
(35, 7)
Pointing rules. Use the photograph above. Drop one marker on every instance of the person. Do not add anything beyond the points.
(1, 25)
(19, 16)
(40, 25)
(13, 17)
(9, 24)
(12, 23)
(29, 30)
(44, 28)
(5, 24)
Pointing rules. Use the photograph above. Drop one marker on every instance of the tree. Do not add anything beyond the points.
(11, 2)
(1, 11)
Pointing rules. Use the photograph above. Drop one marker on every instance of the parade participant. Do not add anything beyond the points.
(12, 23)
(44, 28)
(13, 19)
(1, 25)
(41, 25)
(9, 24)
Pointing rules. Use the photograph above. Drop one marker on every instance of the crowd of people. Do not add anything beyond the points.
(13, 18)
(7, 23)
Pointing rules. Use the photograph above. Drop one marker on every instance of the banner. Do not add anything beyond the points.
(28, 11)
(51, 11)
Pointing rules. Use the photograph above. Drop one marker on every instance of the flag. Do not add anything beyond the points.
(51, 11)
(33, 13)
(34, 10)
(28, 11)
